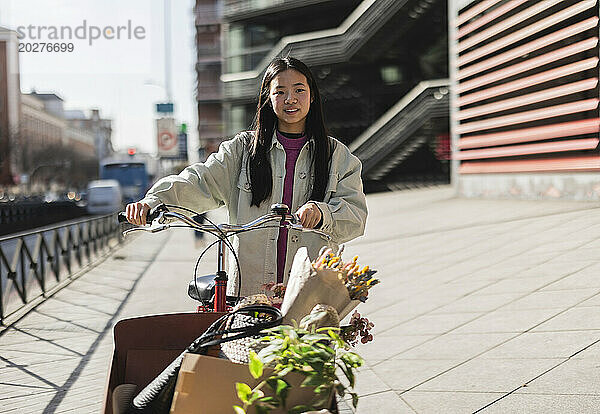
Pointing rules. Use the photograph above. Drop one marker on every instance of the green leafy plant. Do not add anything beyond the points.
(314, 354)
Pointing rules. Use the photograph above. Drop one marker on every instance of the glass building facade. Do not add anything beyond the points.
(368, 56)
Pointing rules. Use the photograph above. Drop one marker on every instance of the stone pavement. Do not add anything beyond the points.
(490, 306)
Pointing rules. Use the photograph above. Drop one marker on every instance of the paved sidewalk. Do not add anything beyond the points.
(56, 359)
(484, 305)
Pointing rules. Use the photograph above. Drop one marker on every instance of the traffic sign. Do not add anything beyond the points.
(167, 137)
(164, 108)
(166, 141)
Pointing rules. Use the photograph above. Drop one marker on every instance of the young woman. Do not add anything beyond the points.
(288, 158)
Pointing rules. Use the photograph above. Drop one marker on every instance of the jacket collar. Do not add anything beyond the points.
(275, 141)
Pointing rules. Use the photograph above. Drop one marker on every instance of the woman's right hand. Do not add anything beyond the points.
(137, 212)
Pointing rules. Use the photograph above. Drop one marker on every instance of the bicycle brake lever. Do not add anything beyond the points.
(161, 217)
(154, 229)
(159, 228)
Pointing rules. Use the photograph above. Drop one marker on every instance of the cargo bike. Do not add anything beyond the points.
(148, 350)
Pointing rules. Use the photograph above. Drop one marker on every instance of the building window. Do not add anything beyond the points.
(235, 40)
(235, 64)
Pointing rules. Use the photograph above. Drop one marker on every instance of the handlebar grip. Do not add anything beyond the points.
(122, 217)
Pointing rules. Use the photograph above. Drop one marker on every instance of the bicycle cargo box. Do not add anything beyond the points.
(206, 385)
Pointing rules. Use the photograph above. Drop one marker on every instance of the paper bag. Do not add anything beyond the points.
(206, 385)
(308, 287)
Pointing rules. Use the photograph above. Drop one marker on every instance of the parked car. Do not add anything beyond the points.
(104, 197)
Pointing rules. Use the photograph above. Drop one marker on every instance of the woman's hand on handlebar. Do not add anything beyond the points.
(137, 212)
(309, 215)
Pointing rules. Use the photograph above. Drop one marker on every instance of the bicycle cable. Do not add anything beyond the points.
(222, 238)
(198, 263)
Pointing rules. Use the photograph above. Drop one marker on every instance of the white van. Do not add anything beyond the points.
(104, 197)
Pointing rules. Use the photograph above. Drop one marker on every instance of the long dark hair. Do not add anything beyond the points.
(265, 122)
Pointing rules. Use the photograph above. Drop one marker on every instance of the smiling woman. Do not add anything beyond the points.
(287, 158)
(290, 99)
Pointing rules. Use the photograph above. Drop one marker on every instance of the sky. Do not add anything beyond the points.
(123, 77)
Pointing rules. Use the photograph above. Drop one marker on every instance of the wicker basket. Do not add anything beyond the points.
(238, 350)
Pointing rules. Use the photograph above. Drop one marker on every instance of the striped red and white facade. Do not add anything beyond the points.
(525, 105)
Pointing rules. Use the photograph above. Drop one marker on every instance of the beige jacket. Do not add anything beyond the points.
(222, 180)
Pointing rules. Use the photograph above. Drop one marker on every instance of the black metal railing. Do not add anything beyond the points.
(36, 262)
(426, 101)
(19, 216)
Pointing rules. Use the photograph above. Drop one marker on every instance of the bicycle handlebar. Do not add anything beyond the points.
(150, 217)
(279, 212)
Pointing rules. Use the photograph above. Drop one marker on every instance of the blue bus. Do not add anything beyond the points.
(131, 175)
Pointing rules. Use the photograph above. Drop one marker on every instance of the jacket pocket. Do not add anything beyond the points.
(331, 186)
(244, 209)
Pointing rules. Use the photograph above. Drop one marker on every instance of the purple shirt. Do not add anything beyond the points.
(292, 148)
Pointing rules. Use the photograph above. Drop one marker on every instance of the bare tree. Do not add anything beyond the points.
(60, 164)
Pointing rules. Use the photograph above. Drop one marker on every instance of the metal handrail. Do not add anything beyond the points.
(394, 111)
(35, 262)
(426, 100)
(319, 47)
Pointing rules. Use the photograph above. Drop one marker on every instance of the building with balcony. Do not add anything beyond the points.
(525, 94)
(51, 137)
(78, 135)
(381, 66)
(40, 129)
(207, 14)
(10, 102)
(96, 131)
(102, 130)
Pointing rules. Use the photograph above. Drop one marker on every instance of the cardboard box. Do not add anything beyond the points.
(206, 385)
